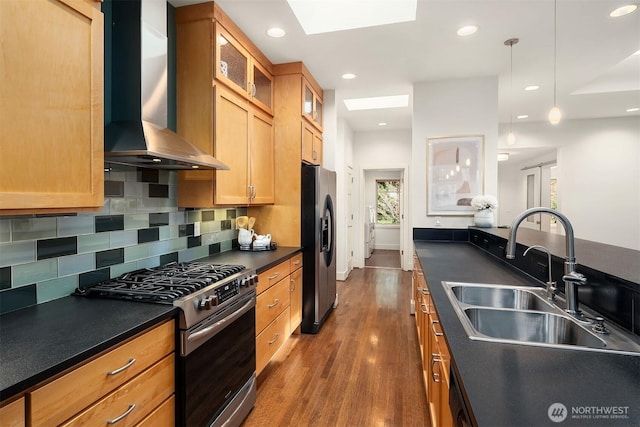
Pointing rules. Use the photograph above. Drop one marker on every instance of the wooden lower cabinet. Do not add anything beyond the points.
(269, 341)
(133, 378)
(162, 416)
(295, 287)
(436, 359)
(133, 400)
(278, 307)
(13, 414)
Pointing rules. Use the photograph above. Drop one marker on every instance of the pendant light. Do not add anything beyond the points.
(555, 114)
(511, 138)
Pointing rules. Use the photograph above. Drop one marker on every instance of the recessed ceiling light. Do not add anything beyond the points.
(276, 32)
(633, 110)
(522, 116)
(467, 30)
(382, 124)
(503, 157)
(348, 76)
(394, 101)
(321, 16)
(532, 87)
(624, 10)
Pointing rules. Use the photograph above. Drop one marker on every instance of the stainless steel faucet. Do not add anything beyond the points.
(571, 278)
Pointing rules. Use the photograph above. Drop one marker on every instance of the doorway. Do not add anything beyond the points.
(381, 241)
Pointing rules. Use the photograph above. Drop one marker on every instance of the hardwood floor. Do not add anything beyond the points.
(383, 258)
(362, 368)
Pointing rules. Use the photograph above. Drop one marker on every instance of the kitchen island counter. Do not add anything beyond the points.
(510, 384)
(39, 342)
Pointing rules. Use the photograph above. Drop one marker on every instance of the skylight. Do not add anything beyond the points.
(377, 102)
(324, 16)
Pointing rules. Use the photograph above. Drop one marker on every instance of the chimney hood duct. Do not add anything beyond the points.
(137, 134)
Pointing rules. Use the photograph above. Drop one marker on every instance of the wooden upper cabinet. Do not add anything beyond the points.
(311, 104)
(51, 103)
(224, 98)
(240, 71)
(311, 144)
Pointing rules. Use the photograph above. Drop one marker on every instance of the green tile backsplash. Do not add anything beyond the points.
(141, 206)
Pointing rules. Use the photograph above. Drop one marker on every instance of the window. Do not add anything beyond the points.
(388, 201)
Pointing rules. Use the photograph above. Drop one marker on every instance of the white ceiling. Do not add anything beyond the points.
(597, 76)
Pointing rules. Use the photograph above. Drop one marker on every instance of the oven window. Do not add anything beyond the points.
(213, 373)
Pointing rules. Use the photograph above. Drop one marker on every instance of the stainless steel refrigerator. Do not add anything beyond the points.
(318, 242)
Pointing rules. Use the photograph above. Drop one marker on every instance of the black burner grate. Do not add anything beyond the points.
(162, 284)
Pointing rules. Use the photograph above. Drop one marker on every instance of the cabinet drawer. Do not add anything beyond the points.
(296, 262)
(272, 276)
(162, 416)
(134, 400)
(271, 339)
(271, 303)
(12, 415)
(62, 398)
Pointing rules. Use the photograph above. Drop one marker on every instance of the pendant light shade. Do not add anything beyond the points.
(555, 114)
(511, 138)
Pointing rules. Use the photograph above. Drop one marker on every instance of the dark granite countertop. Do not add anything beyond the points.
(39, 342)
(514, 385)
(615, 260)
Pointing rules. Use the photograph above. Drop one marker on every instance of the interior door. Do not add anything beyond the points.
(531, 185)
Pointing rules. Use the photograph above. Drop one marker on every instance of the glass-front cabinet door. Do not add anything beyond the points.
(311, 104)
(262, 87)
(232, 62)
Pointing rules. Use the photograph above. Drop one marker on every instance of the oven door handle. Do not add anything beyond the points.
(212, 330)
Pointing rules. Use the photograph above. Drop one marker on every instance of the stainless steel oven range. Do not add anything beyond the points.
(216, 380)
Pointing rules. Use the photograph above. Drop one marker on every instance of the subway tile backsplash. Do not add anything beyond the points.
(45, 257)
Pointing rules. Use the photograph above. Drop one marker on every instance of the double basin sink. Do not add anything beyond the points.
(524, 315)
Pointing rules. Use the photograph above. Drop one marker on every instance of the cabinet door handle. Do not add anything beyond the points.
(433, 328)
(127, 366)
(132, 406)
(424, 308)
(274, 276)
(293, 285)
(434, 359)
(274, 339)
(275, 302)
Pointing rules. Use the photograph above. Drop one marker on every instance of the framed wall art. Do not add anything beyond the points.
(455, 174)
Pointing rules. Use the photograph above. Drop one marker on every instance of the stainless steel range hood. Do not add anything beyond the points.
(137, 134)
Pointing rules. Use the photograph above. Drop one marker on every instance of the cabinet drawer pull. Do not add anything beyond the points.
(275, 302)
(297, 262)
(274, 339)
(434, 359)
(127, 366)
(433, 328)
(132, 406)
(274, 276)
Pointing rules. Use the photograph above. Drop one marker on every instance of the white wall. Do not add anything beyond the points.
(512, 192)
(387, 236)
(452, 107)
(376, 151)
(598, 175)
(337, 141)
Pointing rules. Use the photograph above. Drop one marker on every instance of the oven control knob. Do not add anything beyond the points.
(205, 303)
(254, 280)
(244, 283)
